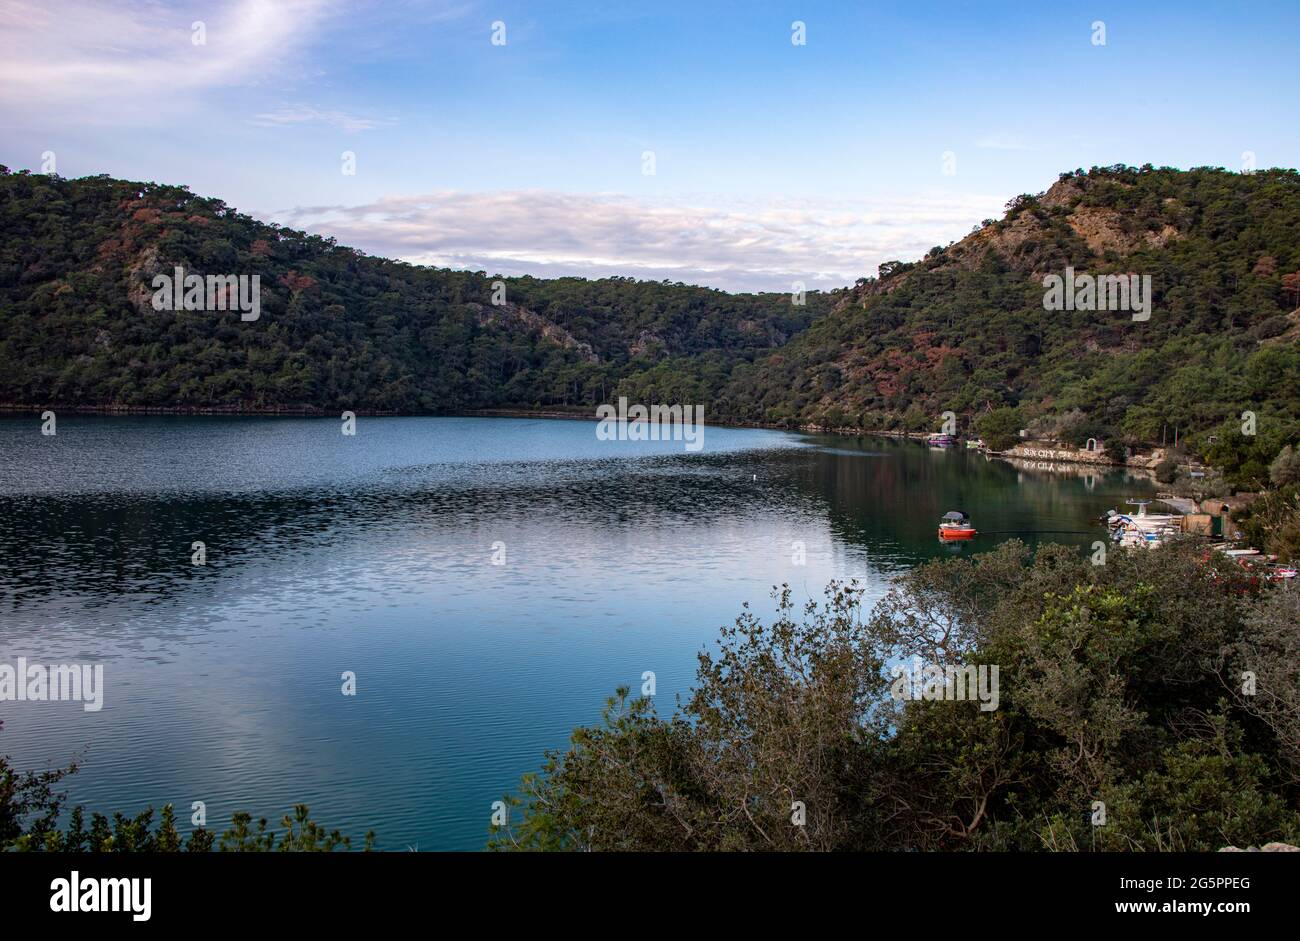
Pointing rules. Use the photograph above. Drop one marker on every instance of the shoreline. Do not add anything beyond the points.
(306, 411)
(233, 412)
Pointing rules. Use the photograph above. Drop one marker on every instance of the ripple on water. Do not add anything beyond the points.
(374, 555)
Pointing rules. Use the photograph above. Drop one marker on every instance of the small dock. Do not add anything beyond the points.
(1181, 504)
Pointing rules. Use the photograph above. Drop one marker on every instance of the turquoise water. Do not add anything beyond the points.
(375, 554)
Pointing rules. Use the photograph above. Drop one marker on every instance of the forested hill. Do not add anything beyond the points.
(337, 329)
(965, 328)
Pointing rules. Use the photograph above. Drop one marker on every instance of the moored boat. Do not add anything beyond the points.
(956, 525)
(1265, 566)
(1142, 528)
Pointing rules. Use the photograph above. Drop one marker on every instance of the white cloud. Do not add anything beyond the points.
(749, 245)
(305, 114)
(124, 64)
(1002, 142)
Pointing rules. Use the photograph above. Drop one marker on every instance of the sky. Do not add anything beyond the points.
(690, 141)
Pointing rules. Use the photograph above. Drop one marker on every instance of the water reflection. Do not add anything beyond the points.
(374, 555)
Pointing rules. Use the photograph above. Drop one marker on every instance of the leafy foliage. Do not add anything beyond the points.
(999, 428)
(1273, 522)
(965, 329)
(30, 810)
(338, 329)
(1120, 685)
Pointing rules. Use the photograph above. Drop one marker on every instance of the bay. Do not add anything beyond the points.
(489, 581)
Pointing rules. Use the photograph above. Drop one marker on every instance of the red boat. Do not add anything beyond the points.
(956, 525)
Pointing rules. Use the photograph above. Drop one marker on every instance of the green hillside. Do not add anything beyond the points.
(965, 328)
(962, 330)
(337, 329)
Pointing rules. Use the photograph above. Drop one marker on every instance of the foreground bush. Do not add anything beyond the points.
(1149, 703)
(30, 809)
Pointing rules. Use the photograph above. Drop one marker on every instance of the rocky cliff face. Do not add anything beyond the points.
(1017, 238)
(530, 322)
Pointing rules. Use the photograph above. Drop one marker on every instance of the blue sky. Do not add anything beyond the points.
(773, 162)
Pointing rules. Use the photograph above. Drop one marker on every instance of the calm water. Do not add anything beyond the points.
(374, 554)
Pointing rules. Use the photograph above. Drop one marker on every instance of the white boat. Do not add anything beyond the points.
(1142, 528)
(1131, 537)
